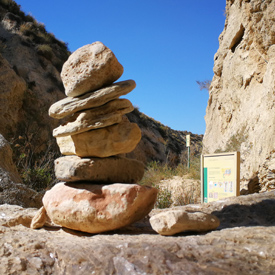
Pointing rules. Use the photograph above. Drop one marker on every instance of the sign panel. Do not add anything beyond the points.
(220, 176)
(187, 140)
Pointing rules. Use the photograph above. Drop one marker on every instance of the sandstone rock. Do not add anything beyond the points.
(100, 117)
(108, 170)
(12, 90)
(12, 190)
(98, 208)
(175, 221)
(267, 174)
(113, 140)
(6, 162)
(240, 112)
(68, 105)
(243, 245)
(30, 84)
(89, 68)
(39, 219)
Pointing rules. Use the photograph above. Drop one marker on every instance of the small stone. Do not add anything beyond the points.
(108, 170)
(98, 208)
(175, 221)
(89, 68)
(113, 140)
(39, 219)
(70, 105)
(100, 117)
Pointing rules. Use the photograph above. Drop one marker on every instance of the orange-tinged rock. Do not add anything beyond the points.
(98, 208)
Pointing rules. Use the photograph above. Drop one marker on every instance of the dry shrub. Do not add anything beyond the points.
(35, 168)
(45, 50)
(187, 190)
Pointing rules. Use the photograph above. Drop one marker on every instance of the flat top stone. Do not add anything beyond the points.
(70, 105)
(115, 169)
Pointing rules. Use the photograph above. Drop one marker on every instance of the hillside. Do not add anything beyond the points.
(31, 60)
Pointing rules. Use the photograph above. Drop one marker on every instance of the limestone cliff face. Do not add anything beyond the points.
(240, 113)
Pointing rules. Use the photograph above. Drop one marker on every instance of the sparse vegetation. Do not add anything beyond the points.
(34, 166)
(45, 50)
(235, 141)
(204, 84)
(156, 172)
(34, 34)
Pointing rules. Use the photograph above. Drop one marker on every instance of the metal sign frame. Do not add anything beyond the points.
(220, 176)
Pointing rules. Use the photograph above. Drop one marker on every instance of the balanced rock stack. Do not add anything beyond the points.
(98, 191)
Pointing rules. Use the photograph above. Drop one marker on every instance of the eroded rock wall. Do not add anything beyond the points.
(240, 113)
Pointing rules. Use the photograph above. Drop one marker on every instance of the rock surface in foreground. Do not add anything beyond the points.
(98, 208)
(239, 247)
(175, 221)
(108, 170)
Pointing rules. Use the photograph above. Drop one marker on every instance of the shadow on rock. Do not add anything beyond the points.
(261, 213)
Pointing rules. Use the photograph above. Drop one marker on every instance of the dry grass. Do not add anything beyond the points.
(177, 186)
(36, 169)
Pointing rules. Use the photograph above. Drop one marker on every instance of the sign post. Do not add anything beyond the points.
(220, 176)
(188, 150)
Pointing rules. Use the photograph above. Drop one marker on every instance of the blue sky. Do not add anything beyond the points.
(164, 45)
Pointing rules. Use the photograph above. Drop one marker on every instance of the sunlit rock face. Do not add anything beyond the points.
(99, 192)
(89, 68)
(240, 112)
(242, 244)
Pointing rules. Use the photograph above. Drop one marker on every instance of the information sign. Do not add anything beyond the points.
(220, 176)
(187, 140)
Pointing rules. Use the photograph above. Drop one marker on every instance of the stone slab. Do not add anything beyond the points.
(113, 140)
(176, 221)
(108, 170)
(100, 117)
(70, 105)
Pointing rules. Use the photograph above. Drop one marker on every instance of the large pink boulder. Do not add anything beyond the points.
(98, 208)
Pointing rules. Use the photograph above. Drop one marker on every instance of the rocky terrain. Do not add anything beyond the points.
(239, 117)
(240, 111)
(31, 60)
(243, 244)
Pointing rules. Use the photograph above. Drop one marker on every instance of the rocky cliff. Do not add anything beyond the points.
(240, 112)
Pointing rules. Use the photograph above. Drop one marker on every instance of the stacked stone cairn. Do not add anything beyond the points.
(98, 190)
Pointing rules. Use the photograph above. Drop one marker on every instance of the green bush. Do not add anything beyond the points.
(38, 178)
(164, 199)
